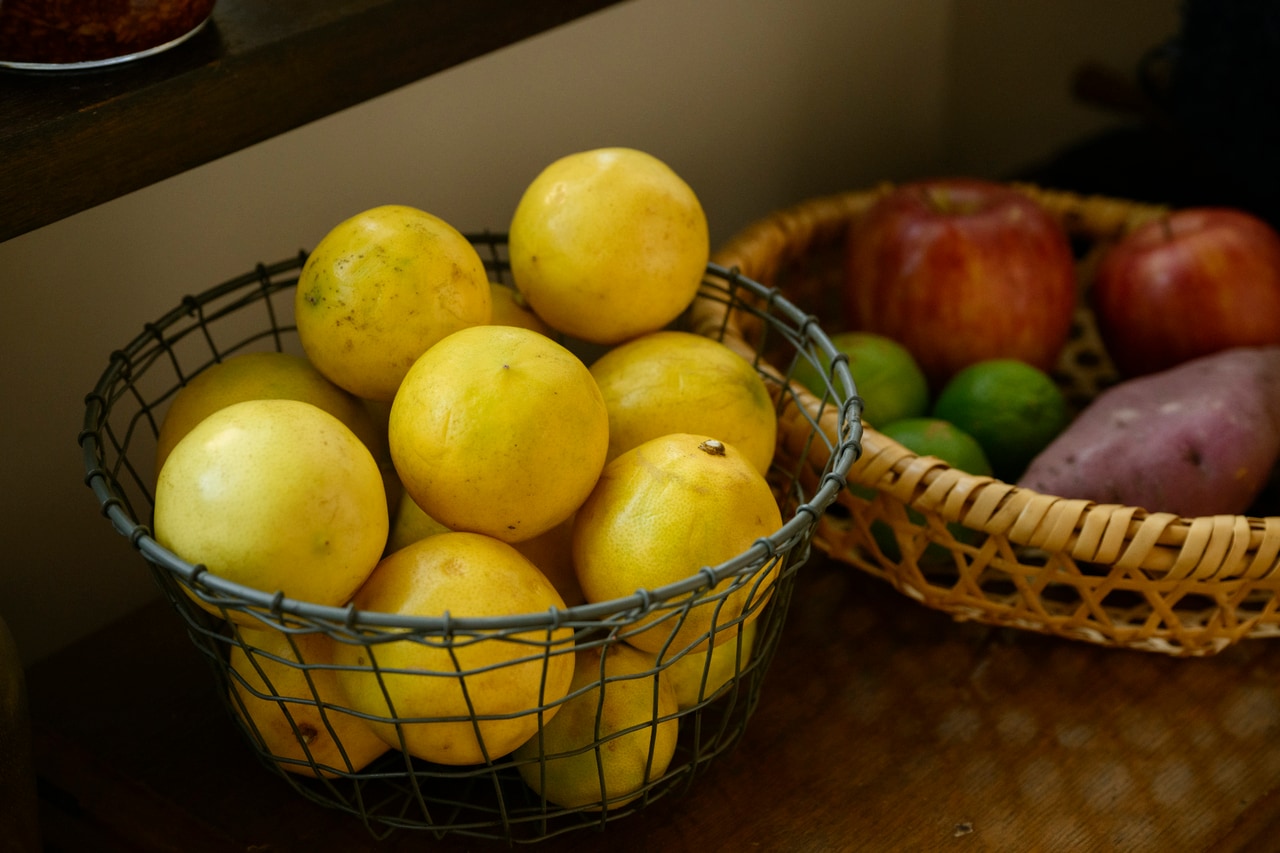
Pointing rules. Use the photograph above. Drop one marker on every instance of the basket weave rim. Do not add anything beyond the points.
(1129, 537)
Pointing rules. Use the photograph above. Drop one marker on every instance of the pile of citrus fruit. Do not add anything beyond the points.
(439, 449)
(990, 418)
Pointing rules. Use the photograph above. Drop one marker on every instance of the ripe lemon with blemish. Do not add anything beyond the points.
(477, 699)
(379, 289)
(671, 381)
(285, 689)
(662, 511)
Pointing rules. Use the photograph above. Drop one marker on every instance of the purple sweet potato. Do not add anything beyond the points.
(1197, 439)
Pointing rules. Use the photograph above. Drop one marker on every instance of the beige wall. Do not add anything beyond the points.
(756, 103)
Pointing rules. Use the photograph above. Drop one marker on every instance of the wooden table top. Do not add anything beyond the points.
(882, 726)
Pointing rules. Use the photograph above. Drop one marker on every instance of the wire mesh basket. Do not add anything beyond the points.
(316, 742)
(984, 550)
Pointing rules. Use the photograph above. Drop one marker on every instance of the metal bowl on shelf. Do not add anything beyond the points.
(54, 35)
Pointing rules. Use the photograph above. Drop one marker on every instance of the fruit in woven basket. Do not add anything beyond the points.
(1197, 439)
(379, 289)
(889, 381)
(268, 375)
(1191, 283)
(670, 381)
(499, 430)
(659, 513)
(928, 437)
(285, 690)
(606, 743)
(960, 270)
(1010, 408)
(276, 495)
(477, 697)
(608, 244)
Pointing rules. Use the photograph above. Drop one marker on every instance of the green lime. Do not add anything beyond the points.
(1013, 410)
(889, 380)
(943, 439)
(927, 436)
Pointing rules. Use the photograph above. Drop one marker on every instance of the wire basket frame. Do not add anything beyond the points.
(487, 799)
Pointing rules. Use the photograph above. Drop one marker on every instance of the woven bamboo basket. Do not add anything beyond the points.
(985, 550)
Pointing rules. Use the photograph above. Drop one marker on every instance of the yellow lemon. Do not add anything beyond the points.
(501, 681)
(262, 376)
(287, 694)
(628, 710)
(499, 430)
(379, 289)
(276, 495)
(662, 511)
(409, 524)
(669, 381)
(701, 674)
(608, 244)
(510, 309)
(551, 552)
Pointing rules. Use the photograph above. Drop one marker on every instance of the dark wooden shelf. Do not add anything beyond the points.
(69, 141)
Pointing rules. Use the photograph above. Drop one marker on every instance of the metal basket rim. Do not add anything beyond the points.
(846, 449)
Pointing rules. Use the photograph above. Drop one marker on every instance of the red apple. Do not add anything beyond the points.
(960, 270)
(1192, 283)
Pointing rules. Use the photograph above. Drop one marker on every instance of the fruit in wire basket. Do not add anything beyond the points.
(608, 244)
(379, 289)
(275, 495)
(671, 381)
(961, 270)
(285, 691)
(473, 699)
(499, 430)
(1013, 410)
(1198, 439)
(267, 375)
(889, 381)
(1190, 283)
(659, 513)
(510, 309)
(699, 675)
(409, 524)
(551, 552)
(606, 743)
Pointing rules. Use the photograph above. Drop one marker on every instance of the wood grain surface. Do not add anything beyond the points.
(882, 726)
